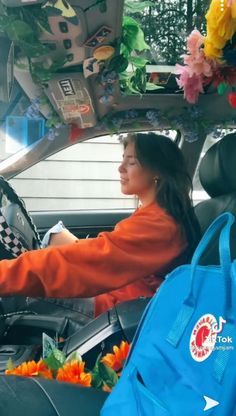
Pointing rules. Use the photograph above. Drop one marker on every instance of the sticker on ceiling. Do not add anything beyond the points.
(69, 94)
(91, 66)
(61, 8)
(99, 37)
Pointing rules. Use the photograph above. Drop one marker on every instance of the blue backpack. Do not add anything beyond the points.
(183, 357)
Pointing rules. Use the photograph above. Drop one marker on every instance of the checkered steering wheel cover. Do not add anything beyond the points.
(7, 237)
(9, 240)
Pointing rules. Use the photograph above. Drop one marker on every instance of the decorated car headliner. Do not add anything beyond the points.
(89, 67)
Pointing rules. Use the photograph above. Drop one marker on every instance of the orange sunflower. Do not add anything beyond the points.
(73, 372)
(116, 360)
(31, 369)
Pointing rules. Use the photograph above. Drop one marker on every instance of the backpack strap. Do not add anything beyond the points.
(180, 323)
(222, 356)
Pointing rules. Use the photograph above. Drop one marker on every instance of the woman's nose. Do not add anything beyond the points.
(121, 168)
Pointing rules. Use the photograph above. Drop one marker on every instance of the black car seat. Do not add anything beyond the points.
(30, 396)
(217, 173)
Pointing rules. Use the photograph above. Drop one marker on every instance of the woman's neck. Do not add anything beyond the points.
(147, 199)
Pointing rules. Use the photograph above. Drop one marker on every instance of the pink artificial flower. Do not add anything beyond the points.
(191, 84)
(194, 41)
(198, 64)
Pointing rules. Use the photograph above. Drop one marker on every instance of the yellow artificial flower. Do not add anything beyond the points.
(221, 26)
(233, 9)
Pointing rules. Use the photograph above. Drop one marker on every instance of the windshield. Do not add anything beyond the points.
(166, 25)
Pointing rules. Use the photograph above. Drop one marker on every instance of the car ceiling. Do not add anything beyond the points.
(87, 92)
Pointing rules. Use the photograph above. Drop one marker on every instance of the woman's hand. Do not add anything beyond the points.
(63, 237)
(57, 236)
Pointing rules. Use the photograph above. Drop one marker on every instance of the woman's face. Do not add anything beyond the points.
(135, 179)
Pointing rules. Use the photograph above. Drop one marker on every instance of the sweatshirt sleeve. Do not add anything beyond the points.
(138, 246)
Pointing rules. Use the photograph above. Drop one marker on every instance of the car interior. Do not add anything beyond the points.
(73, 70)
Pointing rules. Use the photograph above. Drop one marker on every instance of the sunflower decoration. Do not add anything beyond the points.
(30, 369)
(74, 372)
(221, 26)
(119, 356)
(104, 374)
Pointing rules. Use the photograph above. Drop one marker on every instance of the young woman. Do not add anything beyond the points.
(127, 262)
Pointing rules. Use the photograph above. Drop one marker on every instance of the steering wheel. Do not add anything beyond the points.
(18, 233)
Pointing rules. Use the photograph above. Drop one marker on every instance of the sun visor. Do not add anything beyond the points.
(70, 96)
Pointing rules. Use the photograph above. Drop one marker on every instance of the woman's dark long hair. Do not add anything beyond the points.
(174, 186)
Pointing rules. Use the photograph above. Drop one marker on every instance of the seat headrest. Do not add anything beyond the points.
(217, 170)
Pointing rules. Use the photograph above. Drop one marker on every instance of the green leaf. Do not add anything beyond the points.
(53, 120)
(96, 365)
(57, 63)
(21, 65)
(136, 7)
(55, 360)
(41, 19)
(19, 30)
(124, 76)
(119, 64)
(139, 79)
(41, 73)
(31, 49)
(151, 87)
(74, 356)
(138, 61)
(128, 36)
(10, 365)
(97, 381)
(129, 87)
(124, 50)
(129, 21)
(139, 42)
(222, 87)
(133, 36)
(108, 375)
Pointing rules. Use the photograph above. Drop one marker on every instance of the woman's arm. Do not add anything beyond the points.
(138, 246)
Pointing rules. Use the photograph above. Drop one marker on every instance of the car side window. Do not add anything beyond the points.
(81, 177)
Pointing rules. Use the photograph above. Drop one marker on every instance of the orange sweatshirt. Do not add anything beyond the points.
(147, 242)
